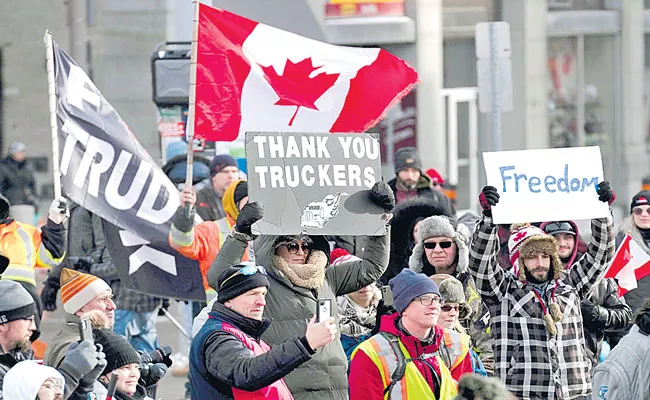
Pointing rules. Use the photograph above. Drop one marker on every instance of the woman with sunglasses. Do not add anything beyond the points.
(457, 347)
(442, 249)
(638, 226)
(299, 274)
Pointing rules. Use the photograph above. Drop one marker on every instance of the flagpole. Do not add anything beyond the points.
(192, 99)
(51, 90)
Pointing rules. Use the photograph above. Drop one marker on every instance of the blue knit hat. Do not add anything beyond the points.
(408, 285)
(221, 161)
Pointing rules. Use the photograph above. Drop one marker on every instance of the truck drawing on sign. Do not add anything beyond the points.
(318, 213)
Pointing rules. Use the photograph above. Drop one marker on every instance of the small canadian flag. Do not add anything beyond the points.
(630, 264)
(253, 77)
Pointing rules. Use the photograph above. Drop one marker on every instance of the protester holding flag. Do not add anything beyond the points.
(299, 274)
(198, 242)
(625, 373)
(602, 309)
(224, 171)
(536, 322)
(638, 226)
(29, 247)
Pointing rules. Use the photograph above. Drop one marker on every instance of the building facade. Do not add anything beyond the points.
(579, 72)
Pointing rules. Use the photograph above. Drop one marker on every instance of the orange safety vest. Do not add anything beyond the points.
(22, 244)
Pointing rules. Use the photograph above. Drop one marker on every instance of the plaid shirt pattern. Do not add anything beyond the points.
(533, 364)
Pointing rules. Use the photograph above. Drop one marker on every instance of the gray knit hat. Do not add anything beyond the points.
(452, 291)
(15, 302)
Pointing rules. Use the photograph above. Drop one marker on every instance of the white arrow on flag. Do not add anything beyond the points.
(159, 259)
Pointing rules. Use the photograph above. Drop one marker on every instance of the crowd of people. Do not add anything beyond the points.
(445, 305)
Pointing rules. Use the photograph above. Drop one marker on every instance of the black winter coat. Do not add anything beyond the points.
(603, 311)
(17, 182)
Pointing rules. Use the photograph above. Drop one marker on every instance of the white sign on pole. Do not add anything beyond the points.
(503, 84)
(546, 185)
(501, 32)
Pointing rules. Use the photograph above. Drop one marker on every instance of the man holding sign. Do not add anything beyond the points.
(536, 319)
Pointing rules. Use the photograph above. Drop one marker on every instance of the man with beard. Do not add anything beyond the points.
(536, 320)
(84, 362)
(411, 182)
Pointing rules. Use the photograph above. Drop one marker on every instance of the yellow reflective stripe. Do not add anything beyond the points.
(20, 273)
(181, 238)
(46, 259)
(388, 361)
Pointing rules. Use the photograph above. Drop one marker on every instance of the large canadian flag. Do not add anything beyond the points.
(253, 77)
(630, 264)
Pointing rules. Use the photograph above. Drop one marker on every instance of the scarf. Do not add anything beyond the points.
(310, 275)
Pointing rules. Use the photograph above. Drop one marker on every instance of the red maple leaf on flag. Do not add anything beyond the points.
(295, 87)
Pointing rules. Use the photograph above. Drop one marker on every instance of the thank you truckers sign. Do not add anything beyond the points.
(315, 183)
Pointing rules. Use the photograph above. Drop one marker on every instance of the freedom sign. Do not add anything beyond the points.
(315, 183)
(546, 184)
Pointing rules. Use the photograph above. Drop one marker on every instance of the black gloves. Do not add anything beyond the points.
(590, 314)
(605, 193)
(51, 287)
(182, 221)
(488, 198)
(382, 195)
(251, 213)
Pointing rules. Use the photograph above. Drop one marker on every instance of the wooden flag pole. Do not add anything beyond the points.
(192, 99)
(51, 90)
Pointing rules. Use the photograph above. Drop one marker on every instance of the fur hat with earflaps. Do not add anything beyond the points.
(525, 242)
(440, 226)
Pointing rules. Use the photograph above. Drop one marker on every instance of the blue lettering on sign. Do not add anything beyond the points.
(551, 184)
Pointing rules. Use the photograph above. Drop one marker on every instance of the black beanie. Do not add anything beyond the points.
(239, 284)
(640, 199)
(221, 161)
(407, 157)
(117, 349)
(241, 191)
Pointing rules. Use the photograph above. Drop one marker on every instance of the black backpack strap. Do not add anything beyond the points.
(400, 370)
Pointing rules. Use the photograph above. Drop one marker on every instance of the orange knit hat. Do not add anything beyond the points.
(79, 289)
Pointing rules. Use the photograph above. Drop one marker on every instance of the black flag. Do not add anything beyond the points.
(107, 171)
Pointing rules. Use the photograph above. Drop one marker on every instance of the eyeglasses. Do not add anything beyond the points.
(640, 211)
(432, 245)
(49, 385)
(558, 227)
(293, 247)
(247, 271)
(449, 307)
(429, 300)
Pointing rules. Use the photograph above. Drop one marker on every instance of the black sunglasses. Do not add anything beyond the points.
(557, 227)
(293, 247)
(432, 245)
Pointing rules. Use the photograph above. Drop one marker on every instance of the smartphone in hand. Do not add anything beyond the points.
(86, 329)
(324, 310)
(386, 295)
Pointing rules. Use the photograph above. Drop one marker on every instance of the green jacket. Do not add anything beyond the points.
(58, 346)
(291, 307)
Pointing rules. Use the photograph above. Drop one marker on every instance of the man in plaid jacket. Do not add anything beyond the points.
(536, 321)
